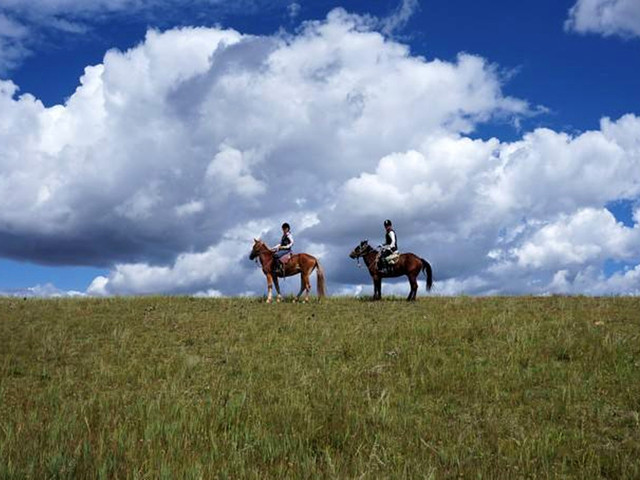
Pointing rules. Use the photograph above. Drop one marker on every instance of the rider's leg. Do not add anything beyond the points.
(277, 265)
(382, 260)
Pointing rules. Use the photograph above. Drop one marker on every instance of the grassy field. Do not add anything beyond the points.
(233, 388)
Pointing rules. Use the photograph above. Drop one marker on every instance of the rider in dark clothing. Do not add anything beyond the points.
(390, 246)
(284, 247)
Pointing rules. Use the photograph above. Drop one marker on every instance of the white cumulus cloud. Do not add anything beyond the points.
(579, 239)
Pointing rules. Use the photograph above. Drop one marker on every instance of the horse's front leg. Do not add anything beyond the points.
(377, 288)
(269, 287)
(278, 297)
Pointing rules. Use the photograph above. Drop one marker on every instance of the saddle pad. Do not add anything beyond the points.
(285, 258)
(393, 258)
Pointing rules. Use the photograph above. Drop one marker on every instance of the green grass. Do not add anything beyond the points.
(233, 388)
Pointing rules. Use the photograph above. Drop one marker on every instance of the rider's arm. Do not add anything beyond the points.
(390, 245)
(392, 234)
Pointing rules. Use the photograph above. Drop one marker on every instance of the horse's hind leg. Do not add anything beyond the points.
(414, 288)
(306, 286)
(301, 287)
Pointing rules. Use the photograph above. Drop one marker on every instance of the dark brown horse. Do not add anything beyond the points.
(300, 263)
(408, 264)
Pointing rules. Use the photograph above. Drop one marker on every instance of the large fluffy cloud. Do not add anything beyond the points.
(170, 157)
(164, 147)
(607, 17)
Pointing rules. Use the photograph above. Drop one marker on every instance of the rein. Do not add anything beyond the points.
(363, 259)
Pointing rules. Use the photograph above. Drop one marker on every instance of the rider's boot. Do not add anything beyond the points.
(278, 269)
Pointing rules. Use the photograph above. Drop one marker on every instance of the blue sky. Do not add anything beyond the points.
(554, 65)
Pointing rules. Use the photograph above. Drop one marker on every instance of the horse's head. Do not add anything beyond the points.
(258, 246)
(360, 250)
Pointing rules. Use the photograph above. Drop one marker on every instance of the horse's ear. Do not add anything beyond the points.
(255, 240)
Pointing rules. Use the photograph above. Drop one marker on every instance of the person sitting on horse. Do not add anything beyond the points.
(391, 243)
(283, 248)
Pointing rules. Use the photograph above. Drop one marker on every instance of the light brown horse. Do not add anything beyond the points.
(408, 264)
(300, 263)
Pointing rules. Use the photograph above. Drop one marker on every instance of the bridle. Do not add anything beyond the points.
(262, 249)
(360, 254)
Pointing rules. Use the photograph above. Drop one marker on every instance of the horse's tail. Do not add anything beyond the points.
(426, 268)
(320, 280)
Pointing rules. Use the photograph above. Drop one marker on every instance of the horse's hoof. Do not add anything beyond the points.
(278, 300)
(268, 300)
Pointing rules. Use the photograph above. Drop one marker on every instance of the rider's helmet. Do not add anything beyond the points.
(286, 225)
(387, 223)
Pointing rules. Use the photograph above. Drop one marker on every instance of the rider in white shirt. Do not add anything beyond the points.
(391, 243)
(284, 247)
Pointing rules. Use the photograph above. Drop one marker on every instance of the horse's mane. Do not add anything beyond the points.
(261, 243)
(369, 247)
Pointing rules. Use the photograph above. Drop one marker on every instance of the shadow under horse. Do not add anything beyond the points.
(408, 264)
(300, 263)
